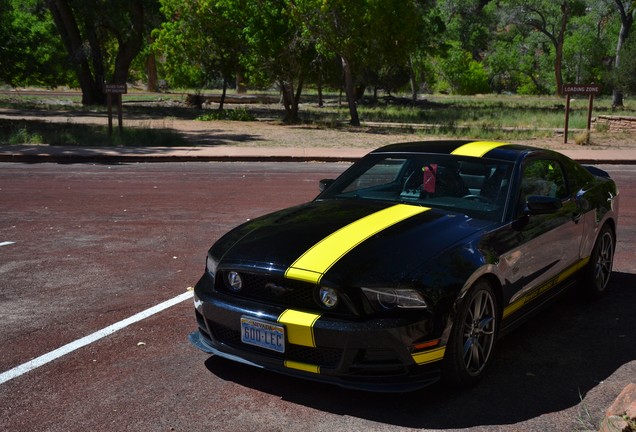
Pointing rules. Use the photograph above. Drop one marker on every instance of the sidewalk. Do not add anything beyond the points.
(69, 154)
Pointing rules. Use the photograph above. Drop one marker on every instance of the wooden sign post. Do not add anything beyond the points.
(580, 89)
(117, 90)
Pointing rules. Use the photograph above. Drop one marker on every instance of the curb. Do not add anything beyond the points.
(70, 159)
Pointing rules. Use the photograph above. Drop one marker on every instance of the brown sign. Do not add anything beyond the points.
(581, 89)
(116, 88)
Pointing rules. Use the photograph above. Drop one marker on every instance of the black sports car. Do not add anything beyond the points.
(409, 265)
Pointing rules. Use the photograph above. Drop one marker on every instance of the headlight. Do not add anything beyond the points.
(210, 265)
(391, 298)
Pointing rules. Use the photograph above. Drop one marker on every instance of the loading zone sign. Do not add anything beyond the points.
(581, 89)
(115, 88)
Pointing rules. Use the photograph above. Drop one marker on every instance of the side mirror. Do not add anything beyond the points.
(536, 205)
(324, 184)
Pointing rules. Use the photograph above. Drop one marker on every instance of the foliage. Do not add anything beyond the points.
(363, 34)
(239, 114)
(454, 46)
(278, 47)
(198, 42)
(29, 55)
(585, 56)
(626, 73)
(463, 75)
(520, 62)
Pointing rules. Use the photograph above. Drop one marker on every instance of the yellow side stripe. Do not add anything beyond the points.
(302, 366)
(317, 260)
(544, 287)
(429, 356)
(477, 148)
(300, 327)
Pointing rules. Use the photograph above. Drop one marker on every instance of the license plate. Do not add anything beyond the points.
(263, 334)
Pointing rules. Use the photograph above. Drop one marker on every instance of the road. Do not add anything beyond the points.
(85, 247)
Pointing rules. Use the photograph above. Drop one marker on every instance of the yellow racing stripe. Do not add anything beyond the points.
(429, 356)
(300, 327)
(302, 366)
(317, 260)
(477, 148)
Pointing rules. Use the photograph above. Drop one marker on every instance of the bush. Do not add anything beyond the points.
(462, 74)
(240, 114)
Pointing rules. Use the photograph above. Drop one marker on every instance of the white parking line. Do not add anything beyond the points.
(68, 348)
(6, 243)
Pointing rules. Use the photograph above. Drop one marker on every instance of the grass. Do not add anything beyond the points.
(72, 134)
(498, 117)
(492, 111)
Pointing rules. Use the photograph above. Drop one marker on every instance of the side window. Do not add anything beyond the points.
(543, 177)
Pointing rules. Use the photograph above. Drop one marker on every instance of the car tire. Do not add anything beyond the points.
(598, 270)
(473, 335)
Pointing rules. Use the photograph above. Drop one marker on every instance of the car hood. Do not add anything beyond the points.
(336, 242)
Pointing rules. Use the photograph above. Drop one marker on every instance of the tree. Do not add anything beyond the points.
(431, 41)
(278, 49)
(199, 43)
(626, 11)
(551, 19)
(470, 23)
(30, 54)
(518, 62)
(362, 33)
(585, 50)
(89, 28)
(626, 72)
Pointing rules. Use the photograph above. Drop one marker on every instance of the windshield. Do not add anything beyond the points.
(477, 187)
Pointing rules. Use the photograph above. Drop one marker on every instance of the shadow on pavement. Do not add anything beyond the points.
(546, 365)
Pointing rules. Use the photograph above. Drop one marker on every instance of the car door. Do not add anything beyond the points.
(547, 243)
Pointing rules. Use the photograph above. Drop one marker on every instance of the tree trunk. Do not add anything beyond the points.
(627, 18)
(241, 87)
(299, 91)
(350, 91)
(92, 89)
(558, 58)
(413, 80)
(151, 69)
(223, 94)
(287, 90)
(321, 102)
(151, 73)
(129, 47)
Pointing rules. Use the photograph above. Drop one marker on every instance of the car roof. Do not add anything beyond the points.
(495, 150)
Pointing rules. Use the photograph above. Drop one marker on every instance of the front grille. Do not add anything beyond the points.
(326, 357)
(280, 292)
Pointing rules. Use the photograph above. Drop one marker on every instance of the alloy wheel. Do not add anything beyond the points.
(604, 260)
(479, 332)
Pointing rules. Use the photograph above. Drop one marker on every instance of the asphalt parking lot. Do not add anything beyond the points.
(96, 266)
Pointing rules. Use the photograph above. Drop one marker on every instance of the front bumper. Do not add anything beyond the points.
(372, 355)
